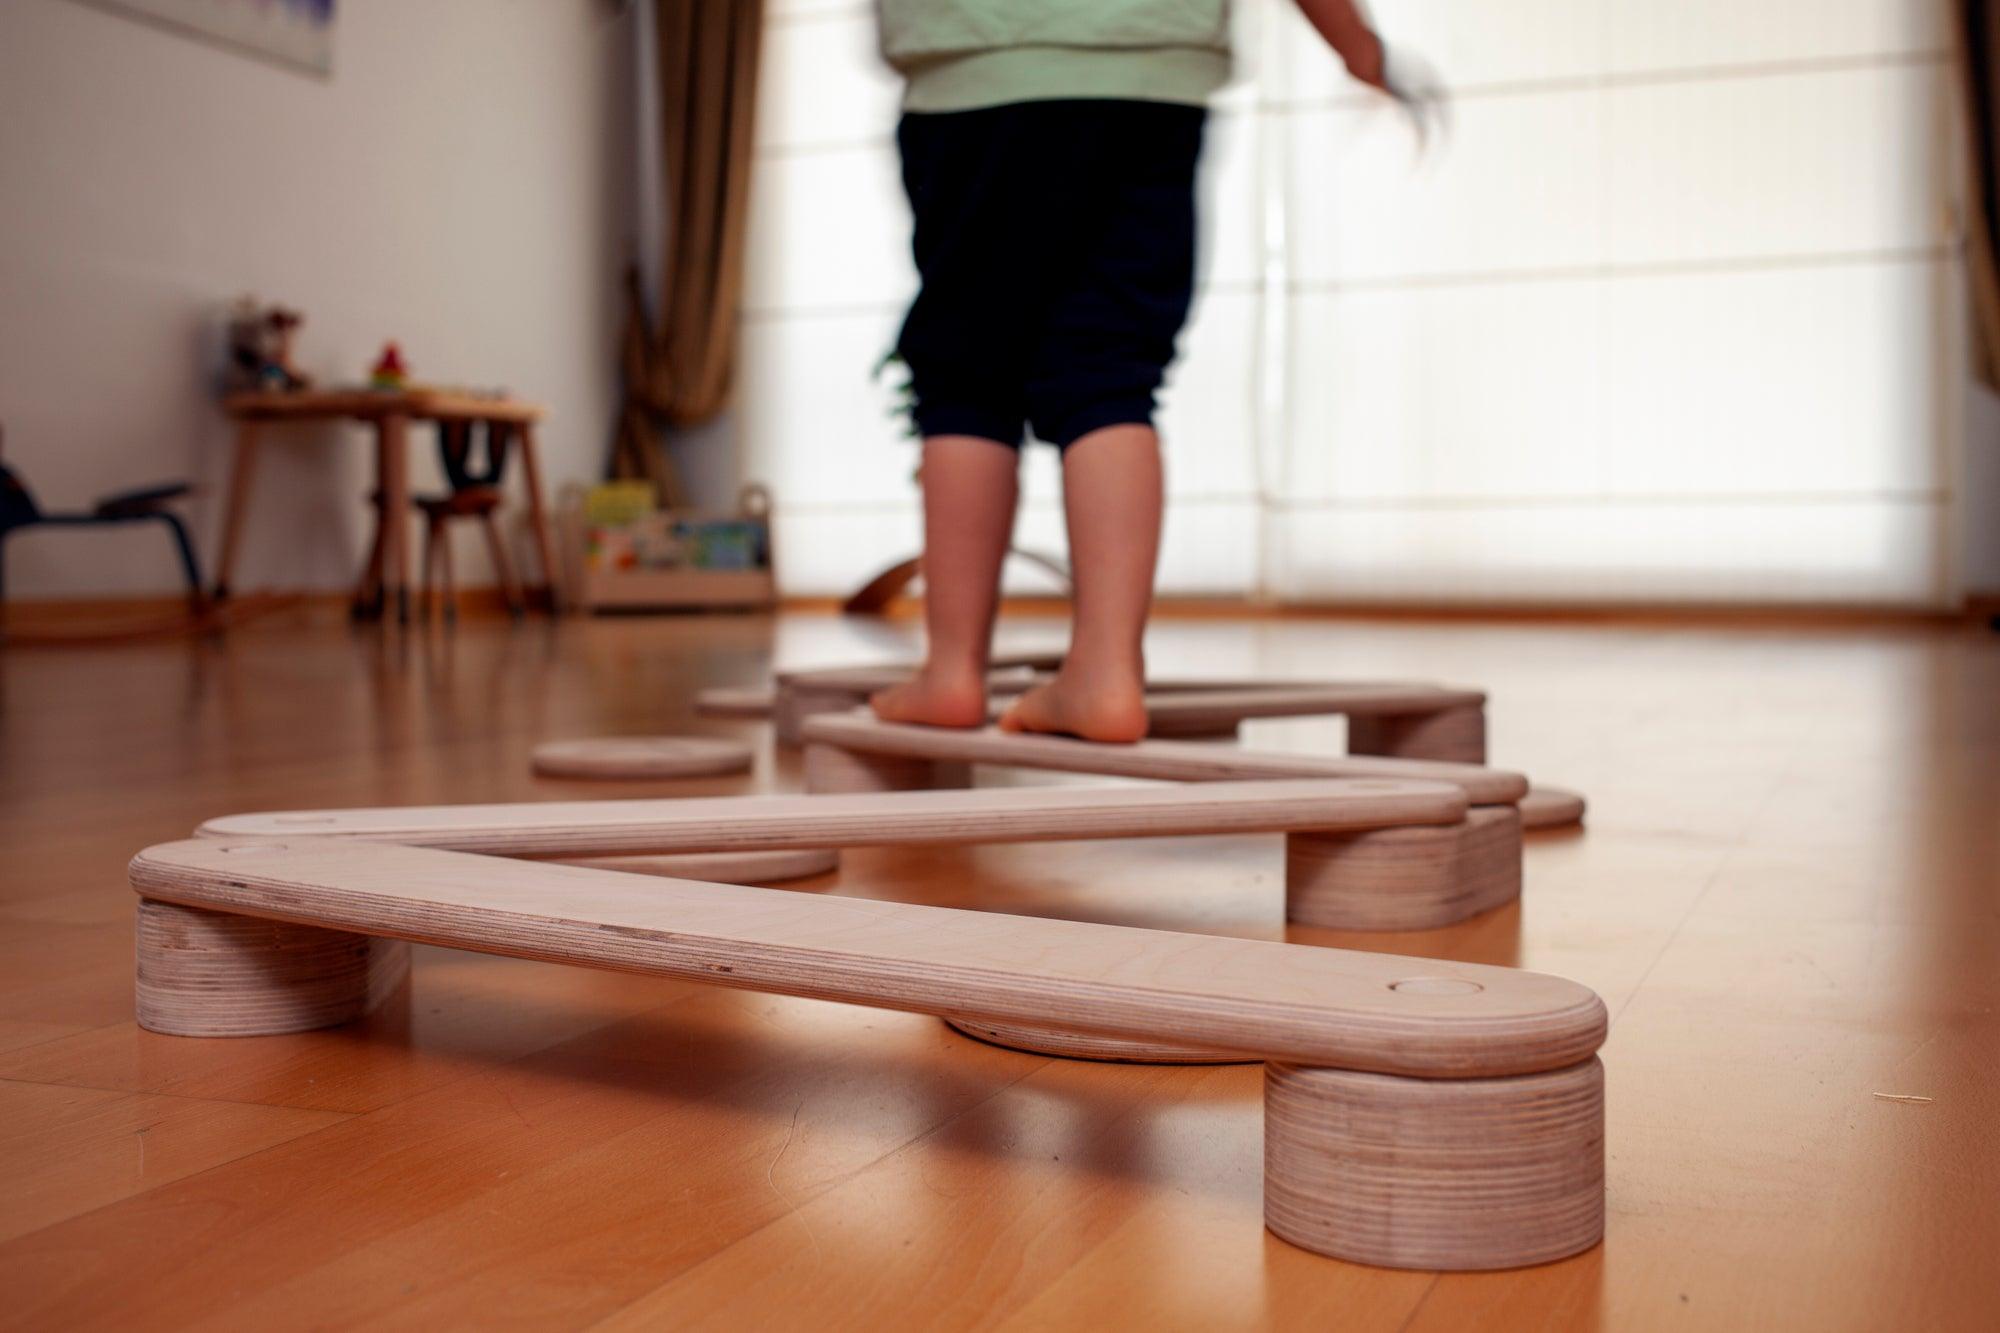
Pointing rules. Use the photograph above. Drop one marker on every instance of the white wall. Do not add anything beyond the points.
(458, 184)
(1668, 319)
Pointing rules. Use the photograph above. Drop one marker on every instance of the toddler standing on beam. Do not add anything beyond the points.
(1049, 151)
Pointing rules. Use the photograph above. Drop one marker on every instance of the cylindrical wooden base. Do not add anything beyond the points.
(792, 705)
(1414, 878)
(1455, 735)
(1435, 1173)
(215, 974)
(830, 768)
(1089, 1046)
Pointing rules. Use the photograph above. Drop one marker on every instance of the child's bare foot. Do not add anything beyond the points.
(934, 699)
(1097, 705)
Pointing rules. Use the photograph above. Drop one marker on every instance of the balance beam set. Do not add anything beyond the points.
(1418, 1114)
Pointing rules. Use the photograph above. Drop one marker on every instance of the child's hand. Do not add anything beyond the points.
(1414, 83)
(1403, 75)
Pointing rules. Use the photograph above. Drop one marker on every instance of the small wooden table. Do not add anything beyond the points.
(390, 411)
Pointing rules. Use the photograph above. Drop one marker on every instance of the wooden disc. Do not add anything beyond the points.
(637, 757)
(736, 701)
(1089, 1046)
(1550, 807)
(721, 867)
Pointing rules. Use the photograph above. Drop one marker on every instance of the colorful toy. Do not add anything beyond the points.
(260, 346)
(389, 374)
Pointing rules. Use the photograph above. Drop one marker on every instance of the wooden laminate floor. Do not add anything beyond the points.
(1789, 895)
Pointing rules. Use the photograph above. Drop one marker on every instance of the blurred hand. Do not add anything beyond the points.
(1415, 84)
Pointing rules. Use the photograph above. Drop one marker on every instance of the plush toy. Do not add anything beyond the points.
(260, 346)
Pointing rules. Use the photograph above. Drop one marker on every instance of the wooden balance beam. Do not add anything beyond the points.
(1345, 868)
(1411, 878)
(1419, 1114)
(1340, 869)
(1411, 720)
(564, 830)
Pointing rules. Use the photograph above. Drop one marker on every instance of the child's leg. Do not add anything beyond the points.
(1112, 495)
(970, 486)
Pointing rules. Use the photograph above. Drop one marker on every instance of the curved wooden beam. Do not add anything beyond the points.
(1482, 1079)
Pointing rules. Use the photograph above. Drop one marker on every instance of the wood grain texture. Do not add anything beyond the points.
(1551, 807)
(1406, 703)
(722, 867)
(614, 758)
(1405, 878)
(1455, 735)
(1786, 896)
(1329, 1007)
(1451, 1174)
(212, 974)
(565, 830)
(1172, 761)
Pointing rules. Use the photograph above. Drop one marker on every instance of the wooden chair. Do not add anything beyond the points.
(474, 493)
(1418, 1113)
(479, 502)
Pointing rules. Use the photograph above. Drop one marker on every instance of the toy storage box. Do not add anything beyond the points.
(667, 559)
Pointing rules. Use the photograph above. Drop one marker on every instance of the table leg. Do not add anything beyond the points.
(242, 469)
(395, 435)
(538, 515)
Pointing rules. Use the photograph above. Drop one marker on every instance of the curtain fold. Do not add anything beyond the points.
(1979, 61)
(706, 57)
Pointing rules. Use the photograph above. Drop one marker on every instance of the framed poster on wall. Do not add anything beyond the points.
(292, 32)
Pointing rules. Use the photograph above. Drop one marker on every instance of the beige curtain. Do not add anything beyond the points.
(682, 372)
(1979, 52)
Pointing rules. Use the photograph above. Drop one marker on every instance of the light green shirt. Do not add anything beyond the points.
(962, 54)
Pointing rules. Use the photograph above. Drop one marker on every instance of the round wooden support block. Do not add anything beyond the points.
(215, 974)
(1416, 878)
(736, 701)
(1454, 735)
(1551, 807)
(721, 867)
(1089, 1046)
(798, 702)
(1435, 1173)
(830, 769)
(642, 757)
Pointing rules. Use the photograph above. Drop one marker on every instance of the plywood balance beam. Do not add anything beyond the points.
(1411, 720)
(561, 830)
(859, 732)
(1418, 1114)
(1361, 853)
(1386, 879)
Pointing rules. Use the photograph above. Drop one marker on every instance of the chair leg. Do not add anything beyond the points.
(368, 598)
(430, 564)
(190, 567)
(450, 583)
(503, 568)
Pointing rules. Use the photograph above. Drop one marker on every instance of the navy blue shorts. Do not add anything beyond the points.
(1055, 241)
